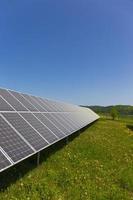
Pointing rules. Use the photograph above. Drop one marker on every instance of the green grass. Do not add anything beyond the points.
(96, 165)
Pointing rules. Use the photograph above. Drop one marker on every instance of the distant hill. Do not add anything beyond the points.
(122, 109)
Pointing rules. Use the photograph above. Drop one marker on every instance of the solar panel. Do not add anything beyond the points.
(57, 123)
(66, 125)
(26, 103)
(50, 124)
(78, 119)
(54, 106)
(40, 127)
(47, 105)
(29, 124)
(24, 128)
(73, 120)
(4, 162)
(66, 117)
(12, 143)
(5, 106)
(38, 100)
(33, 102)
(12, 101)
(41, 105)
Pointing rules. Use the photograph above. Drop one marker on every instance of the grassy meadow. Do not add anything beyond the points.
(95, 165)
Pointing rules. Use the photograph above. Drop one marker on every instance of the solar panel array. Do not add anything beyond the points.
(29, 124)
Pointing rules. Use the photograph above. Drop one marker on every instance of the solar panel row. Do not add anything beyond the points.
(29, 124)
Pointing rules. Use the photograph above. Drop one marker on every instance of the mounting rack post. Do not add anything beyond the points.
(38, 158)
(67, 140)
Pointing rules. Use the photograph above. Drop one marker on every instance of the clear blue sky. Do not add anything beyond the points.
(80, 51)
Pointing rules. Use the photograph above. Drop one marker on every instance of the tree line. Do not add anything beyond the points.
(114, 111)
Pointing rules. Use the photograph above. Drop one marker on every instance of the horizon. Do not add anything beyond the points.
(72, 51)
(108, 105)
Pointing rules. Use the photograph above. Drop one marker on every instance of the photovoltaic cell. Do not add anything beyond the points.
(33, 102)
(35, 140)
(11, 100)
(56, 106)
(73, 121)
(44, 104)
(43, 130)
(57, 123)
(43, 109)
(28, 105)
(49, 124)
(12, 143)
(59, 117)
(48, 107)
(52, 105)
(75, 117)
(4, 106)
(65, 116)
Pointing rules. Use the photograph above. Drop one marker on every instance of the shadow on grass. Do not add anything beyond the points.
(14, 173)
(130, 127)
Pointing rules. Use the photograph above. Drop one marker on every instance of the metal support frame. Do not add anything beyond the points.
(67, 140)
(38, 158)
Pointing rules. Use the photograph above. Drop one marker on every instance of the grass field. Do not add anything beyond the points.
(95, 165)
